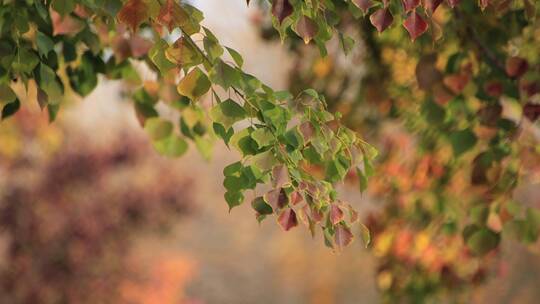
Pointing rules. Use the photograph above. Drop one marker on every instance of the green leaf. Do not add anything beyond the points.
(171, 146)
(63, 7)
(482, 241)
(366, 235)
(234, 199)
(236, 57)
(232, 169)
(261, 206)
(225, 75)
(6, 94)
(10, 108)
(158, 128)
(44, 44)
(462, 141)
(157, 56)
(25, 61)
(220, 131)
(263, 137)
(227, 113)
(194, 85)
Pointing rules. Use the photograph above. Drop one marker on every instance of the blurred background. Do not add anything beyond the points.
(90, 213)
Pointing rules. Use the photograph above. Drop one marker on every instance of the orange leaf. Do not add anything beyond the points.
(133, 13)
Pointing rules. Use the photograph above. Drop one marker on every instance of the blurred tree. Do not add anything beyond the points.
(68, 216)
(454, 115)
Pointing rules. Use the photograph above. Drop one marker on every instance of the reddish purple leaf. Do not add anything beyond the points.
(306, 28)
(409, 5)
(531, 111)
(281, 9)
(381, 19)
(364, 5)
(280, 174)
(287, 219)
(484, 4)
(415, 25)
(307, 131)
(336, 215)
(343, 236)
(432, 5)
(453, 3)
(276, 198)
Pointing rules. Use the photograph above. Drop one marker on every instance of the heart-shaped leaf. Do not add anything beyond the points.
(415, 25)
(381, 19)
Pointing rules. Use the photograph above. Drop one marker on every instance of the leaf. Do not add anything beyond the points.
(6, 94)
(364, 5)
(381, 19)
(462, 141)
(306, 28)
(236, 57)
(415, 25)
(409, 5)
(531, 111)
(287, 219)
(336, 214)
(343, 236)
(133, 13)
(171, 15)
(516, 66)
(63, 7)
(263, 137)
(453, 3)
(194, 85)
(10, 108)
(227, 113)
(261, 206)
(482, 241)
(224, 75)
(366, 235)
(44, 44)
(65, 25)
(158, 128)
(281, 9)
(157, 56)
(276, 198)
(234, 199)
(171, 146)
(432, 5)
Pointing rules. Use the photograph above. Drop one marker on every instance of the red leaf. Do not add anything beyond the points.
(133, 13)
(336, 215)
(280, 174)
(307, 131)
(296, 198)
(276, 198)
(343, 236)
(66, 25)
(287, 219)
(139, 46)
(364, 5)
(516, 66)
(281, 9)
(306, 28)
(409, 5)
(171, 14)
(381, 19)
(415, 25)
(453, 3)
(432, 5)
